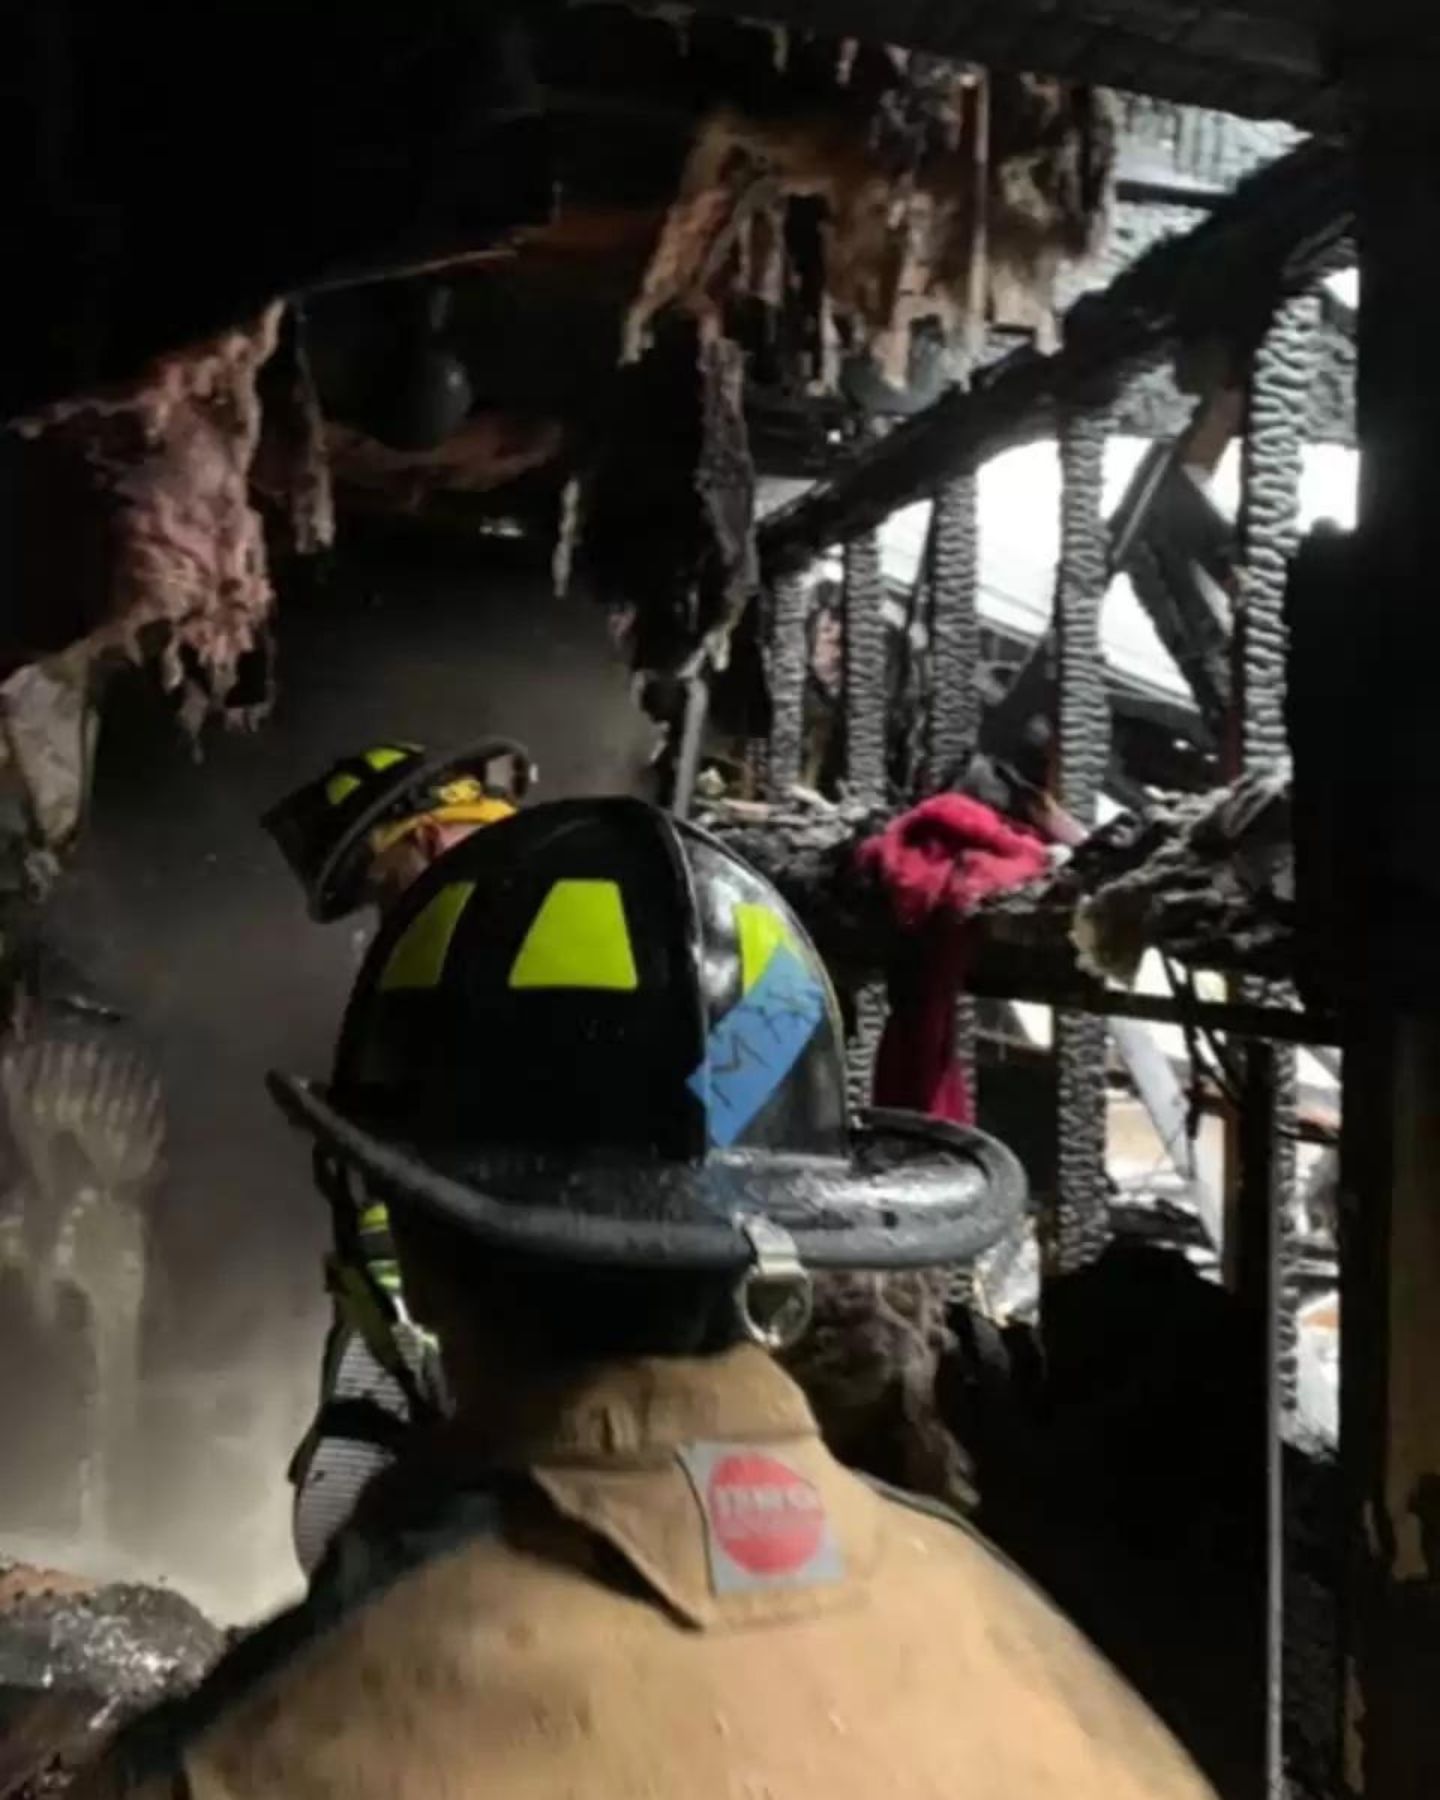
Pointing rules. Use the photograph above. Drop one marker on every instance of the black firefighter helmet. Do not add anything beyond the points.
(593, 1033)
(329, 830)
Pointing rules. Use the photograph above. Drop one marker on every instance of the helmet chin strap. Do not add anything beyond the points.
(404, 1349)
(775, 1297)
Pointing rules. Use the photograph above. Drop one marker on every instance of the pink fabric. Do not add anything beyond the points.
(936, 863)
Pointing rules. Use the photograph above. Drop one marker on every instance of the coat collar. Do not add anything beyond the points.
(643, 1411)
(630, 1452)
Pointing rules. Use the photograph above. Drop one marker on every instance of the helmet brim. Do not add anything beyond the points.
(914, 1193)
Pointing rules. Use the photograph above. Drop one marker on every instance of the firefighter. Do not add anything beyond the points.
(358, 836)
(360, 833)
(593, 1064)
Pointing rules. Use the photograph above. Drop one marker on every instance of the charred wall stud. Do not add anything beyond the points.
(865, 651)
(1269, 534)
(865, 671)
(1079, 1229)
(786, 678)
(954, 628)
(1279, 230)
(955, 670)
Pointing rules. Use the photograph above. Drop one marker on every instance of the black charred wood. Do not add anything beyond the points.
(1075, 1227)
(1207, 880)
(1275, 234)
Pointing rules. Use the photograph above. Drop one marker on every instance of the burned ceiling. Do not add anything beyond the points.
(589, 270)
(1263, 58)
(630, 255)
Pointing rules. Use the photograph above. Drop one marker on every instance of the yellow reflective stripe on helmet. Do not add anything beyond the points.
(385, 757)
(341, 787)
(761, 932)
(418, 958)
(578, 939)
(457, 792)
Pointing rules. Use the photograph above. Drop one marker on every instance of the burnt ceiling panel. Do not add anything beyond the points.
(1264, 59)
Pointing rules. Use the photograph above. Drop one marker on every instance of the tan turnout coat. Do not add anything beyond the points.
(681, 1596)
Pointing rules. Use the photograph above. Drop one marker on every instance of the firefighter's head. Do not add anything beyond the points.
(367, 828)
(593, 1065)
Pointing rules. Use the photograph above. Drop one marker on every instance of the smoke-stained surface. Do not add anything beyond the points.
(181, 910)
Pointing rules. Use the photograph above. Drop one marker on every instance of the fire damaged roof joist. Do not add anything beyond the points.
(1262, 58)
(1278, 232)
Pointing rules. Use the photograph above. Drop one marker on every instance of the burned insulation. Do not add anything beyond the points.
(161, 470)
(946, 195)
(876, 205)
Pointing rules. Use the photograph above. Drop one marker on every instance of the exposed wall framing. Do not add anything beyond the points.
(954, 722)
(1269, 534)
(1079, 1230)
(865, 652)
(1276, 234)
(954, 628)
(865, 689)
(786, 680)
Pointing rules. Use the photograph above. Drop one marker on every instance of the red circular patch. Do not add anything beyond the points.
(765, 1517)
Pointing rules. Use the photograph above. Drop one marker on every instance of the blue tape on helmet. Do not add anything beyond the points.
(753, 1048)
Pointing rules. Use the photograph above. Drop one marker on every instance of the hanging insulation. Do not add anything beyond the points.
(951, 200)
(167, 461)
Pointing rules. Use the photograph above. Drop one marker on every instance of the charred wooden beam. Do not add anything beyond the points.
(1079, 1228)
(955, 701)
(1022, 947)
(1153, 405)
(865, 696)
(1205, 881)
(1283, 1024)
(1274, 236)
(954, 576)
(1269, 534)
(1266, 65)
(865, 651)
(785, 675)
